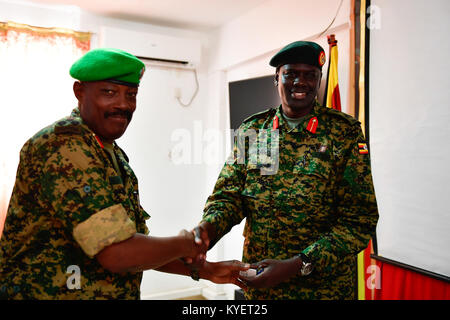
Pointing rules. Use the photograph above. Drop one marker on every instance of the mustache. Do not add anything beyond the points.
(123, 113)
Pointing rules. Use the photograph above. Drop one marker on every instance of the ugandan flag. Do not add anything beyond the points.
(332, 97)
(363, 148)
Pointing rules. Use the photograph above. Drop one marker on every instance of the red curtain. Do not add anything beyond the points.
(402, 284)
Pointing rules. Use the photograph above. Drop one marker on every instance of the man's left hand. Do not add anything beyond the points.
(272, 272)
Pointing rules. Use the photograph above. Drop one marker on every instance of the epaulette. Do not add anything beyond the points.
(342, 115)
(261, 114)
(68, 125)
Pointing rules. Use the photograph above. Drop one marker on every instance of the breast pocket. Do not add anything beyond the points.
(256, 184)
(304, 206)
(311, 180)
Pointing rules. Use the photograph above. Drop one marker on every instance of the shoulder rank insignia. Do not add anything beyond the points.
(275, 123)
(312, 125)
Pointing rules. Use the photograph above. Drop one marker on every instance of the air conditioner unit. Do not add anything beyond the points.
(161, 49)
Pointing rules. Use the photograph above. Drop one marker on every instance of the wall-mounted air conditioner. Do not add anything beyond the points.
(161, 49)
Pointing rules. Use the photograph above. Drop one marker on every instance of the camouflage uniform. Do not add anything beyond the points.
(320, 202)
(63, 179)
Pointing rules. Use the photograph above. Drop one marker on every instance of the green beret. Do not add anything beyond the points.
(109, 64)
(300, 52)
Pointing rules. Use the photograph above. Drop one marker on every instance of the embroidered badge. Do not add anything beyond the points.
(363, 148)
(322, 58)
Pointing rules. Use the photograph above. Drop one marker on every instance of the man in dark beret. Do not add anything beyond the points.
(75, 228)
(308, 217)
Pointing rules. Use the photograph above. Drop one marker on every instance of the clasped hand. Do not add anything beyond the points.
(198, 247)
(218, 272)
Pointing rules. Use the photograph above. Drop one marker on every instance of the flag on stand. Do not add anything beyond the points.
(332, 97)
(367, 278)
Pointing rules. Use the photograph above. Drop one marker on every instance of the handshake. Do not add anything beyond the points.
(266, 273)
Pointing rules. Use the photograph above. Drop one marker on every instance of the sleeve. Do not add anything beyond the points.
(223, 207)
(74, 185)
(356, 207)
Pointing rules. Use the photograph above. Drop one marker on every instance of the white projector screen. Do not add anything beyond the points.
(409, 110)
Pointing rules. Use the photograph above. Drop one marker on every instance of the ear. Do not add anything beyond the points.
(275, 80)
(78, 90)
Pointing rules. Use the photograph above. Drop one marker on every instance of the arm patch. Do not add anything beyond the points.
(108, 226)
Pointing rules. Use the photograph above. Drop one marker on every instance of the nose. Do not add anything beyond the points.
(300, 79)
(124, 102)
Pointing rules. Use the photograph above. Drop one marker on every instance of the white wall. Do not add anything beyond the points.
(26, 79)
(409, 131)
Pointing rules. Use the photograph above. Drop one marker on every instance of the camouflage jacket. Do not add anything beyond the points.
(320, 201)
(64, 177)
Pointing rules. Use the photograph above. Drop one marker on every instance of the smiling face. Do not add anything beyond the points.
(298, 85)
(106, 107)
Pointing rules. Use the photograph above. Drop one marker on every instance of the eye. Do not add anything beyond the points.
(310, 76)
(289, 75)
(132, 94)
(108, 92)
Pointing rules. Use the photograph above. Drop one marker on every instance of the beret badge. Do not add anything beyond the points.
(322, 58)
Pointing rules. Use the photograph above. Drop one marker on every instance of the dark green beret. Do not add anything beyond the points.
(109, 64)
(300, 52)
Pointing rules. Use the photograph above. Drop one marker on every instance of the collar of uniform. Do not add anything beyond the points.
(76, 115)
(315, 112)
(283, 125)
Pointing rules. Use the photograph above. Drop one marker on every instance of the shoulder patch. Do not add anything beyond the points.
(68, 125)
(342, 115)
(260, 115)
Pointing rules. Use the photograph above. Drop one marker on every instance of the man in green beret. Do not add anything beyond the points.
(75, 228)
(309, 216)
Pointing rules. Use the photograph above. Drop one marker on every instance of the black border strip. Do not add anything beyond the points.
(366, 97)
(424, 272)
(324, 103)
(162, 60)
(366, 75)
